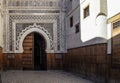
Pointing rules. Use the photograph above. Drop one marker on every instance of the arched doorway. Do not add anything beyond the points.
(34, 55)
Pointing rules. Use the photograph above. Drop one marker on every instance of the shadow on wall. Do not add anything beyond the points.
(96, 40)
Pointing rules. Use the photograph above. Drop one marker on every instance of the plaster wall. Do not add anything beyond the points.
(93, 27)
(113, 7)
(1, 28)
(73, 38)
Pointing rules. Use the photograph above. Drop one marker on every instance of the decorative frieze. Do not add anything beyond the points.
(35, 11)
(33, 3)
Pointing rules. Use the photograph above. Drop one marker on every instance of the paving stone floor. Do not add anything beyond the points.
(40, 77)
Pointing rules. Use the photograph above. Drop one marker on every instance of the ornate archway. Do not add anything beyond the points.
(38, 29)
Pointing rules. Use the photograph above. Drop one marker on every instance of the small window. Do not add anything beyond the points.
(71, 21)
(86, 12)
(77, 28)
(116, 24)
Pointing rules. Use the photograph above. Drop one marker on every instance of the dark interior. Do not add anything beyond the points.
(40, 62)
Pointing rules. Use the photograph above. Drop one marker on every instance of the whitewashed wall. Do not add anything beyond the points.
(113, 7)
(93, 27)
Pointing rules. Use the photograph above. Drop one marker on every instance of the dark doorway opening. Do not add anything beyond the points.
(40, 59)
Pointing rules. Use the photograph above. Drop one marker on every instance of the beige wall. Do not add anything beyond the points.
(1, 28)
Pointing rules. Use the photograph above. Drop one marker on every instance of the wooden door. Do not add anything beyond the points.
(27, 58)
(34, 56)
(40, 59)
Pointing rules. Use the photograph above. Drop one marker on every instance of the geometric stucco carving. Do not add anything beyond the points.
(22, 17)
(17, 23)
(34, 28)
